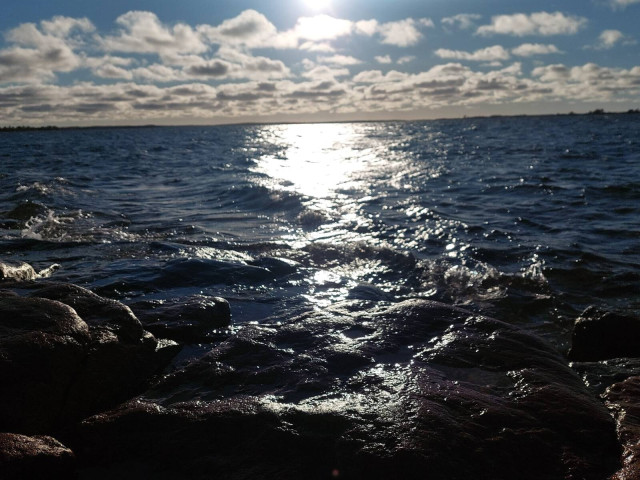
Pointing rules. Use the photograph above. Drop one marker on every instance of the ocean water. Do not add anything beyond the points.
(527, 219)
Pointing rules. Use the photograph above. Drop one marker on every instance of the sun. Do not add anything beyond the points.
(318, 5)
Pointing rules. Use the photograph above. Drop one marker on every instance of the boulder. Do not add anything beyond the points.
(413, 390)
(623, 399)
(186, 320)
(599, 335)
(23, 457)
(43, 345)
(57, 368)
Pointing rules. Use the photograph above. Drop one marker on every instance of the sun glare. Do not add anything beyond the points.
(318, 5)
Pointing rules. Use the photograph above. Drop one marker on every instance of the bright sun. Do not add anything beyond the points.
(318, 4)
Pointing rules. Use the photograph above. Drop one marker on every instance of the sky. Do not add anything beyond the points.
(117, 62)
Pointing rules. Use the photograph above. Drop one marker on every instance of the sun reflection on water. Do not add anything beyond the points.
(319, 159)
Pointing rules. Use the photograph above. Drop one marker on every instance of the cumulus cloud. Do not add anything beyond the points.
(608, 38)
(462, 21)
(322, 27)
(487, 54)
(142, 32)
(38, 53)
(345, 60)
(540, 23)
(403, 33)
(531, 49)
(383, 59)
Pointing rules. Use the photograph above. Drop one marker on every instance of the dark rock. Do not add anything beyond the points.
(17, 273)
(623, 399)
(99, 312)
(600, 335)
(411, 391)
(55, 368)
(187, 320)
(39, 457)
(43, 344)
(25, 211)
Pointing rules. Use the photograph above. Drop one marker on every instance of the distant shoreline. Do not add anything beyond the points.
(27, 128)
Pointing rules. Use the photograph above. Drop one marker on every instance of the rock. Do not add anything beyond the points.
(186, 320)
(55, 368)
(99, 312)
(599, 335)
(39, 457)
(43, 344)
(623, 399)
(17, 273)
(414, 390)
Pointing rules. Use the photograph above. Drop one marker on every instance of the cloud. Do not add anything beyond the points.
(251, 29)
(322, 27)
(608, 38)
(531, 49)
(344, 60)
(488, 54)
(38, 53)
(403, 33)
(541, 23)
(406, 59)
(462, 21)
(385, 59)
(142, 32)
(622, 3)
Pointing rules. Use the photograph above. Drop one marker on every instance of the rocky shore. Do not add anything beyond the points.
(94, 389)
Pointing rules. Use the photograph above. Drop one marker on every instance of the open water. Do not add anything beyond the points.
(527, 219)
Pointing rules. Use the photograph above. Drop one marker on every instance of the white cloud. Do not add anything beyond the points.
(367, 27)
(61, 27)
(344, 60)
(383, 59)
(623, 3)
(403, 33)
(37, 56)
(488, 54)
(406, 59)
(322, 27)
(531, 49)
(541, 23)
(462, 21)
(142, 32)
(251, 29)
(608, 38)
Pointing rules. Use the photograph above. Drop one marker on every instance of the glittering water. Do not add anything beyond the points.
(527, 219)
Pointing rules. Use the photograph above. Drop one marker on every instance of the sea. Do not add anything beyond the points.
(526, 219)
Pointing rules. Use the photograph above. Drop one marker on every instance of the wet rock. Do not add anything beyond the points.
(23, 457)
(406, 391)
(25, 211)
(623, 399)
(600, 335)
(43, 344)
(17, 273)
(100, 313)
(56, 368)
(186, 320)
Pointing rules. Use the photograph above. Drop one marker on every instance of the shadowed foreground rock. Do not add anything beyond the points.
(623, 400)
(188, 320)
(57, 366)
(416, 390)
(41, 457)
(600, 335)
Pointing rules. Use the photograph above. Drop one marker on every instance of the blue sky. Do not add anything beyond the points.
(74, 62)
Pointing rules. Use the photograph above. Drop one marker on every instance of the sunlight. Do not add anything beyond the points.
(318, 5)
(319, 159)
